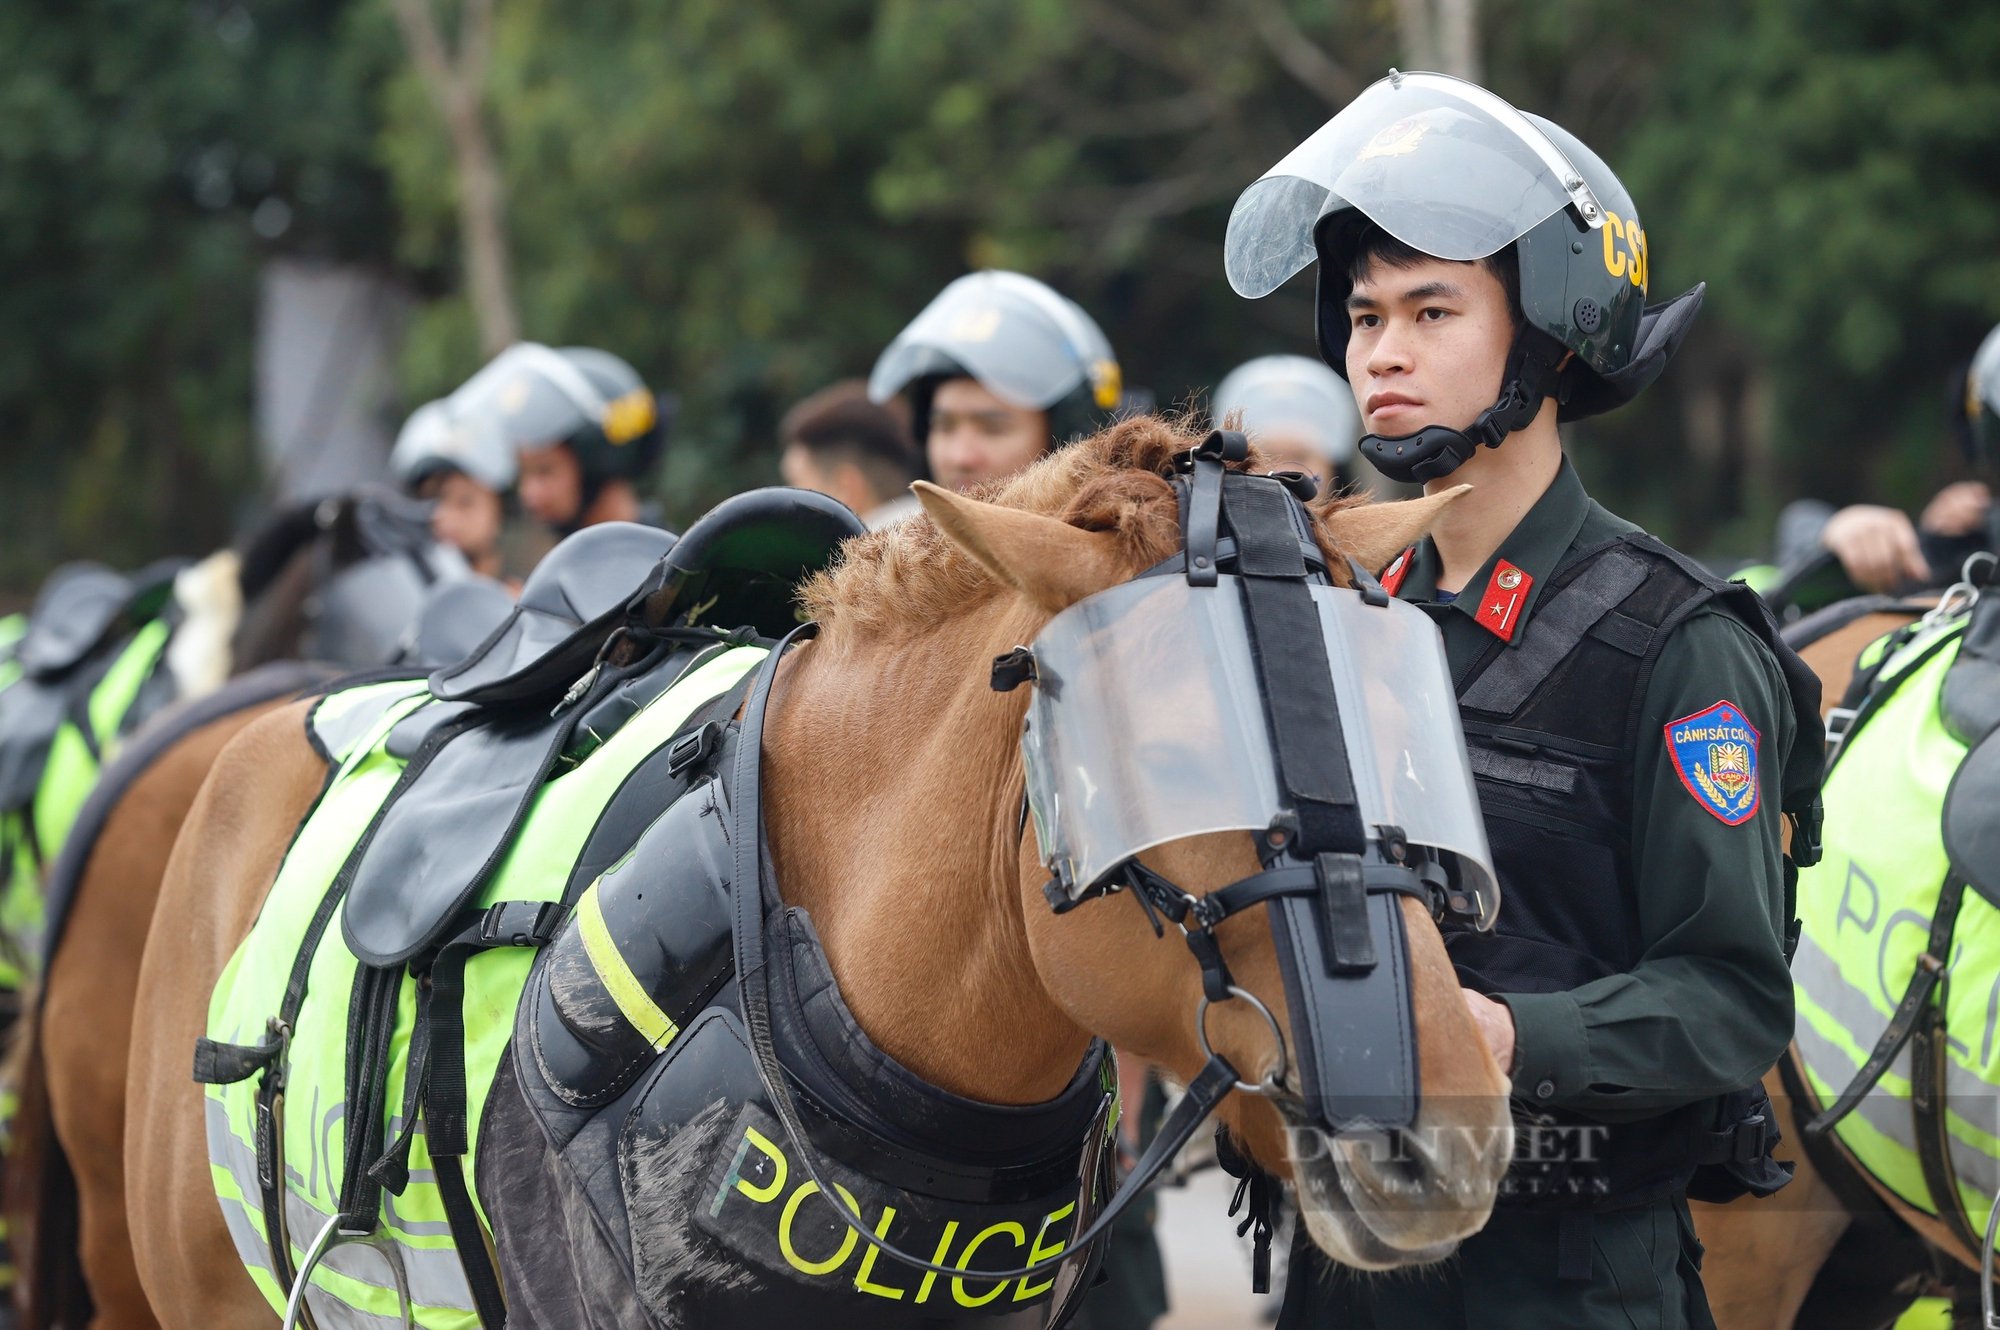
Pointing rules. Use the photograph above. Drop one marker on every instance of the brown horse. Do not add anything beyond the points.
(67, 1171)
(65, 1189)
(893, 795)
(1768, 1264)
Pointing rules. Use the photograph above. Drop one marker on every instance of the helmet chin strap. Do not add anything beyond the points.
(1439, 450)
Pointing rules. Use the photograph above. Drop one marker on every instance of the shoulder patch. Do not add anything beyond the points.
(1714, 752)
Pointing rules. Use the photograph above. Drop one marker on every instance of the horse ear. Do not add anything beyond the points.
(1052, 563)
(1374, 533)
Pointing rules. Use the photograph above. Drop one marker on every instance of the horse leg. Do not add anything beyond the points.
(222, 865)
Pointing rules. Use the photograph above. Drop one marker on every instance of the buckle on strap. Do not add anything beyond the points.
(1838, 722)
(692, 747)
(520, 923)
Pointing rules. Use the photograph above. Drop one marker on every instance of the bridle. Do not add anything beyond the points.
(1329, 880)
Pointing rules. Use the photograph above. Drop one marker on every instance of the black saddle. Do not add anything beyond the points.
(740, 565)
(457, 616)
(81, 606)
(1970, 700)
(83, 611)
(545, 683)
(1972, 819)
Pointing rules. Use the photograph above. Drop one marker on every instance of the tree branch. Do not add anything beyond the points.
(457, 90)
(1298, 55)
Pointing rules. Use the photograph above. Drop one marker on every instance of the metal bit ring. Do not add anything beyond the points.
(1271, 1083)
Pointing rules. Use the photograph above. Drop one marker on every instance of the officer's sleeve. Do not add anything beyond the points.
(1708, 1008)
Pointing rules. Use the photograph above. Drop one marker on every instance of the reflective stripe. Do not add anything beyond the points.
(435, 1277)
(1818, 974)
(634, 1002)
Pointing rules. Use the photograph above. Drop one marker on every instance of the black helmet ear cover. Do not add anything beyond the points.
(1662, 329)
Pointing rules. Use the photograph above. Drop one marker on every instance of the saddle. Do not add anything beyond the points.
(83, 612)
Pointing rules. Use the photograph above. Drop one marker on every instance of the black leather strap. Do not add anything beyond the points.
(1928, 1050)
(1903, 1024)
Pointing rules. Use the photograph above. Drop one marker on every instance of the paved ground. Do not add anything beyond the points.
(1208, 1266)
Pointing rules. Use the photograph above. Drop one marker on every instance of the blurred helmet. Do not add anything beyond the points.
(1453, 171)
(1982, 400)
(588, 400)
(1294, 395)
(1017, 338)
(433, 439)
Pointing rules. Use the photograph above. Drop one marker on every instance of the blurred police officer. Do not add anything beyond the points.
(1297, 411)
(842, 444)
(998, 369)
(585, 427)
(465, 470)
(1634, 725)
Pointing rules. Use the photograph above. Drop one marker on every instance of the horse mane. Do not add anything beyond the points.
(908, 577)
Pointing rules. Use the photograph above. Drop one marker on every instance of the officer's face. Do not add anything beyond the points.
(467, 515)
(551, 484)
(1426, 344)
(975, 437)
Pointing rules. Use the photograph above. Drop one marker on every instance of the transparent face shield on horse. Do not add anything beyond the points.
(1443, 165)
(1147, 725)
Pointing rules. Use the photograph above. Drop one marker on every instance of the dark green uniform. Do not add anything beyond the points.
(1707, 1009)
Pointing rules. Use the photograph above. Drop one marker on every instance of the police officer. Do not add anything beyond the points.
(465, 470)
(585, 426)
(998, 369)
(1296, 410)
(1634, 725)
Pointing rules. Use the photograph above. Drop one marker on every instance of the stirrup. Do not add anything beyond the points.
(329, 1238)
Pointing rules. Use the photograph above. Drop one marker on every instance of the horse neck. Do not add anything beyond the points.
(893, 804)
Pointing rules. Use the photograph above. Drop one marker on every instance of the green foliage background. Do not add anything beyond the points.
(748, 197)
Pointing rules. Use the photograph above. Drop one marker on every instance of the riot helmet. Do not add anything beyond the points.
(435, 439)
(1982, 401)
(589, 401)
(1294, 396)
(1026, 344)
(1455, 172)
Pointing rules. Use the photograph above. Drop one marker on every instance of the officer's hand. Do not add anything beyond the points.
(1496, 1026)
(1957, 510)
(1877, 546)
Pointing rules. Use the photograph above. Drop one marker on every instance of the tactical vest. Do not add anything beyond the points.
(1550, 724)
(1896, 982)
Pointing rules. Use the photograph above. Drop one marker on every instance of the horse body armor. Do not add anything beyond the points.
(1879, 910)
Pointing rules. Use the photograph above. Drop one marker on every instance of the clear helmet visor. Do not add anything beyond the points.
(528, 396)
(1147, 726)
(434, 438)
(1441, 164)
(1982, 382)
(1024, 343)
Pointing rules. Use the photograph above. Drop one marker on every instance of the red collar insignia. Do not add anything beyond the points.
(1500, 603)
(1393, 575)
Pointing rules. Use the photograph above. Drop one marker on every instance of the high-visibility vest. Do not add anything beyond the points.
(1867, 910)
(353, 1288)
